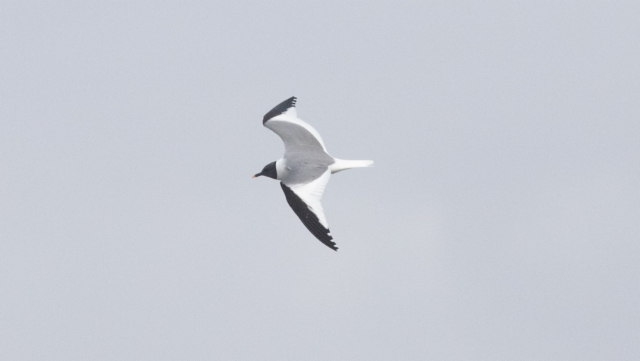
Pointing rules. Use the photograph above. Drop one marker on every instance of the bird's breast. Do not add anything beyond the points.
(282, 171)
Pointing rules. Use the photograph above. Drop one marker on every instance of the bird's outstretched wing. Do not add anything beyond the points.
(304, 199)
(284, 121)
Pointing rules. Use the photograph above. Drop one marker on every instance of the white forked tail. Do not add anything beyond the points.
(342, 164)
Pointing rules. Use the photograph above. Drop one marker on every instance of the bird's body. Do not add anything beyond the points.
(305, 169)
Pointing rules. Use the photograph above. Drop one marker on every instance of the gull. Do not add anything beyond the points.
(304, 170)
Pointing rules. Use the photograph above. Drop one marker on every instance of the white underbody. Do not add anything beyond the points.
(339, 165)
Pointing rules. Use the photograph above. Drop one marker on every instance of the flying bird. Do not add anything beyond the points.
(304, 170)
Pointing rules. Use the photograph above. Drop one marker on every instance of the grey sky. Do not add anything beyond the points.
(501, 220)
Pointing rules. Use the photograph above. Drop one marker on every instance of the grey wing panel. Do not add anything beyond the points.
(293, 134)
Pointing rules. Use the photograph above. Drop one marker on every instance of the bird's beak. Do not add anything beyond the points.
(256, 175)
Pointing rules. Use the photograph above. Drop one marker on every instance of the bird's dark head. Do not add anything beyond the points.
(269, 170)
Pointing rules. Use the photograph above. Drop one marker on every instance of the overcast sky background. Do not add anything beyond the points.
(501, 220)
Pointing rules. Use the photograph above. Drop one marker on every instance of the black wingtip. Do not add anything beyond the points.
(308, 218)
(279, 109)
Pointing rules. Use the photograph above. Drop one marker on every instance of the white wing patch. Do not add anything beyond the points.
(311, 194)
(291, 112)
